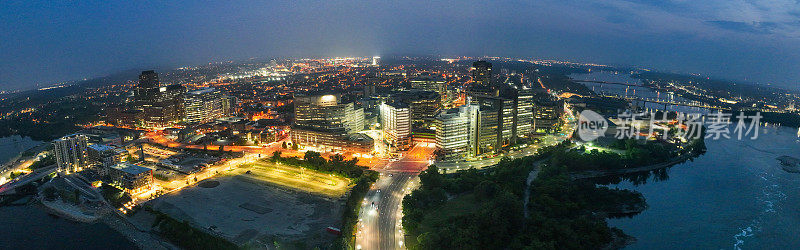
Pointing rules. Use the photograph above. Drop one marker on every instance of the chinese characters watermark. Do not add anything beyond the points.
(644, 125)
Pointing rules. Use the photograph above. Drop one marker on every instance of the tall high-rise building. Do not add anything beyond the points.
(203, 105)
(482, 73)
(488, 130)
(524, 112)
(456, 132)
(70, 153)
(148, 79)
(369, 90)
(160, 106)
(396, 124)
(497, 115)
(424, 105)
(229, 104)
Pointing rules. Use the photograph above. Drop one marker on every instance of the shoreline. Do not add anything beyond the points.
(64, 210)
(602, 173)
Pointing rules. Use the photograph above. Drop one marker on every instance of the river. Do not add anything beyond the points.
(30, 227)
(633, 91)
(735, 196)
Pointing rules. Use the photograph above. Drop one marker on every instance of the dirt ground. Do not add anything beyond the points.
(255, 213)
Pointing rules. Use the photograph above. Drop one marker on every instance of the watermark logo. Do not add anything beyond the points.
(680, 126)
(591, 125)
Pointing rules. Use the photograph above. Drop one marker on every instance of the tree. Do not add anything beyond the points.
(314, 158)
(276, 155)
(294, 146)
(284, 145)
(50, 193)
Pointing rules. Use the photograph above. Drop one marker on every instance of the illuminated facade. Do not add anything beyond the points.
(430, 83)
(324, 122)
(524, 116)
(396, 124)
(547, 112)
(70, 152)
(132, 179)
(456, 132)
(482, 73)
(159, 106)
(203, 105)
(105, 155)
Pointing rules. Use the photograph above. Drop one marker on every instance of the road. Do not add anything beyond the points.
(264, 151)
(379, 226)
(8, 188)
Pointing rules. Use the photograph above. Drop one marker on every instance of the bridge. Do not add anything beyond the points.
(10, 187)
(673, 103)
(604, 82)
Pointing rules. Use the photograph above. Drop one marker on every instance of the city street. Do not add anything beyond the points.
(264, 151)
(379, 225)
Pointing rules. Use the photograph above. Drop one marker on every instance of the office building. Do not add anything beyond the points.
(70, 152)
(324, 141)
(424, 105)
(105, 155)
(396, 124)
(159, 106)
(327, 123)
(229, 105)
(456, 132)
(496, 122)
(482, 73)
(524, 112)
(430, 83)
(326, 112)
(203, 105)
(488, 128)
(132, 179)
(547, 113)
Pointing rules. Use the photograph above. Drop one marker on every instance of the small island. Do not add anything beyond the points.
(789, 164)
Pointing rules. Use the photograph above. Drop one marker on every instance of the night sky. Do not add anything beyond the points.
(751, 40)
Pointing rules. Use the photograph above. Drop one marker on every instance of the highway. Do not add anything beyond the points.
(379, 226)
(8, 188)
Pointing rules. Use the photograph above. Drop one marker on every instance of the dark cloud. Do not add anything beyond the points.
(49, 41)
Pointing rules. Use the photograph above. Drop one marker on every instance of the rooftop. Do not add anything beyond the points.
(130, 168)
(101, 147)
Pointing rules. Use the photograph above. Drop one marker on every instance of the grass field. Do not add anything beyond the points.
(295, 178)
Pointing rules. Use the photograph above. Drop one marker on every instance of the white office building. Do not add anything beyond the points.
(456, 132)
(396, 124)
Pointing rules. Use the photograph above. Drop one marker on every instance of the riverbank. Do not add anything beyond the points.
(602, 173)
(142, 238)
(67, 211)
